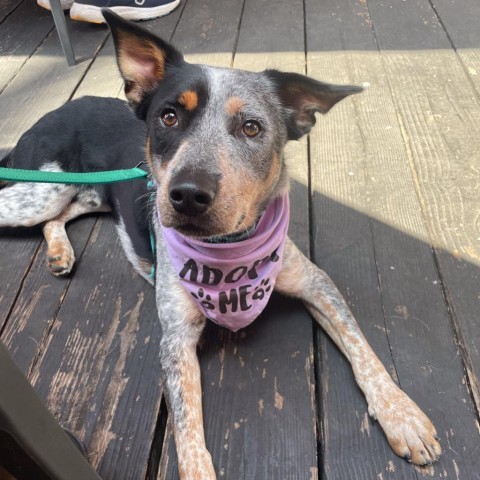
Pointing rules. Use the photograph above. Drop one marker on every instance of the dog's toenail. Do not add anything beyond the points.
(57, 268)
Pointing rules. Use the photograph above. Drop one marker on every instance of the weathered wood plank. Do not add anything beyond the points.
(460, 270)
(7, 7)
(45, 82)
(439, 113)
(263, 387)
(459, 18)
(31, 25)
(344, 248)
(20, 35)
(17, 249)
(272, 36)
(103, 78)
(39, 298)
(352, 446)
(99, 370)
(363, 171)
(206, 33)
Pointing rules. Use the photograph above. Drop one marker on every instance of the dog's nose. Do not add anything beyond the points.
(192, 195)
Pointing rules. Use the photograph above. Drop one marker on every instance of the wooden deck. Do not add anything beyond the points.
(385, 198)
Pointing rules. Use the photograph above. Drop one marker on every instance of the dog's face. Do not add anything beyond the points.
(215, 136)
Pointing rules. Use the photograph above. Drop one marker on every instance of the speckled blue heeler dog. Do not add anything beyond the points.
(213, 141)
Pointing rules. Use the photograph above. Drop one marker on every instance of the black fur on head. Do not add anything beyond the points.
(144, 60)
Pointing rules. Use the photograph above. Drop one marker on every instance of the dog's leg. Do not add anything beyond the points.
(409, 431)
(60, 254)
(28, 204)
(182, 325)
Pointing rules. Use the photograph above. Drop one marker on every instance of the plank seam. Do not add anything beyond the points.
(153, 463)
(43, 342)
(452, 43)
(320, 399)
(89, 66)
(178, 20)
(471, 381)
(34, 51)
(316, 371)
(305, 50)
(11, 11)
(237, 36)
(19, 291)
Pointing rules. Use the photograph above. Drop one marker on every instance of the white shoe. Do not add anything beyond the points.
(66, 4)
(91, 10)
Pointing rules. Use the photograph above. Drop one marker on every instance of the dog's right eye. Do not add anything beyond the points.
(169, 117)
(251, 128)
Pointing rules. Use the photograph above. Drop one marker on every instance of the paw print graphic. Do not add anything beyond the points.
(260, 291)
(205, 300)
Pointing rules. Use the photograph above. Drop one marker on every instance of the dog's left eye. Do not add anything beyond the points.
(251, 128)
(169, 117)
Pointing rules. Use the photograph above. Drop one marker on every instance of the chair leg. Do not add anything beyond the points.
(32, 444)
(61, 24)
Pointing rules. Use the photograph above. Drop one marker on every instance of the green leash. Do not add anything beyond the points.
(39, 176)
(90, 178)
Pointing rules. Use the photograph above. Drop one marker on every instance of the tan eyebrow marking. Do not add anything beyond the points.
(189, 99)
(234, 105)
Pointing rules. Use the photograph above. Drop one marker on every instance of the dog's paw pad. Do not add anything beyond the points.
(60, 261)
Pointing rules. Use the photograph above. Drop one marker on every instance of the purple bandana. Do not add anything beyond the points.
(232, 282)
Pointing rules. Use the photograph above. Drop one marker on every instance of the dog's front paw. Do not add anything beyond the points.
(409, 431)
(60, 258)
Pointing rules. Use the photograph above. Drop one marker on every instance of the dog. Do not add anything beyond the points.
(212, 140)
(85, 135)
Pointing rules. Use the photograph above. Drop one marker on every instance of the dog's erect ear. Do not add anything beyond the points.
(304, 96)
(142, 57)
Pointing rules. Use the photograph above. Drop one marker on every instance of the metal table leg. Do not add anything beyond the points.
(61, 24)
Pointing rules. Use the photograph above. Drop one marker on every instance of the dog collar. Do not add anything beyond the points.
(231, 283)
(233, 237)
